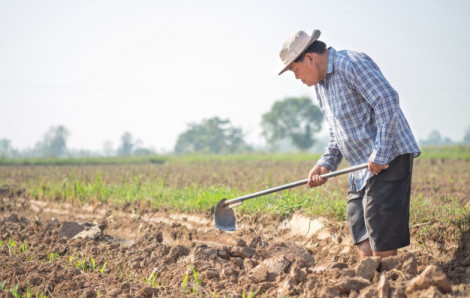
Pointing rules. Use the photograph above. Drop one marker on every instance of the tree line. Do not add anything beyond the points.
(292, 121)
(54, 144)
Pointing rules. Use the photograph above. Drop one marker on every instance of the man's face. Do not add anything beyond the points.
(308, 70)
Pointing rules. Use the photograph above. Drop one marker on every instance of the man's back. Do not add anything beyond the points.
(363, 112)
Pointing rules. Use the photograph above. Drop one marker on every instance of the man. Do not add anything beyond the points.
(366, 124)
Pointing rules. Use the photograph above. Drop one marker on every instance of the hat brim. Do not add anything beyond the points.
(315, 35)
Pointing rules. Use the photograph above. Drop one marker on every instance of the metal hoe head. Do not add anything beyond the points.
(224, 216)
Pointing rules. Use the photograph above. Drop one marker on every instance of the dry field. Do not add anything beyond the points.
(147, 230)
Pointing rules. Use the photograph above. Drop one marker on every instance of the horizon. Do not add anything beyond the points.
(150, 68)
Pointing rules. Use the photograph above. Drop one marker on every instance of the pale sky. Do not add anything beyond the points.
(101, 68)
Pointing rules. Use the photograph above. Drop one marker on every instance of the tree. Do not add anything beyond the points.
(297, 119)
(108, 148)
(466, 138)
(435, 139)
(143, 151)
(5, 148)
(212, 135)
(54, 142)
(126, 144)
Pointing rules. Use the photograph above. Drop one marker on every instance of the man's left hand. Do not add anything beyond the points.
(376, 168)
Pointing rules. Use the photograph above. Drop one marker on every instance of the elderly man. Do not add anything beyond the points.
(366, 124)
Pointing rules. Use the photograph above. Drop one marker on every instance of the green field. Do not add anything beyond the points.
(197, 183)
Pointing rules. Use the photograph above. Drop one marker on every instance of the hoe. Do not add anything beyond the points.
(225, 218)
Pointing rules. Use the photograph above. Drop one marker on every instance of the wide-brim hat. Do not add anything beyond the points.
(295, 45)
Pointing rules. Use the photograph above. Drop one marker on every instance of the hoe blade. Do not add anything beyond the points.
(224, 216)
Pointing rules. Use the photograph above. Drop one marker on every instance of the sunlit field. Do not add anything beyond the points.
(190, 183)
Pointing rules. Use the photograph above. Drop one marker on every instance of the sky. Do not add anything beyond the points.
(101, 68)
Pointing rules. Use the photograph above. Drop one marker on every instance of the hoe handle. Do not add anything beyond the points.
(239, 200)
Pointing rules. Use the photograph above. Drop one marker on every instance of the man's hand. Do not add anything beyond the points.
(376, 168)
(314, 178)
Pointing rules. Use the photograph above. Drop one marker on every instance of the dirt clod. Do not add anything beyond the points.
(351, 284)
(383, 288)
(243, 252)
(367, 267)
(431, 276)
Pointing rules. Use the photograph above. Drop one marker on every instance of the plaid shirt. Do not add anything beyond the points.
(363, 112)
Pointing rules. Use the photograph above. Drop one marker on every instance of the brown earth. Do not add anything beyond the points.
(172, 254)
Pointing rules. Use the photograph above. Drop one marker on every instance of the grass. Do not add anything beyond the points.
(190, 198)
(461, 152)
(157, 194)
(197, 182)
(83, 161)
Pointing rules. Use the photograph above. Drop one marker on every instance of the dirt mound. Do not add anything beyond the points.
(45, 256)
(91, 251)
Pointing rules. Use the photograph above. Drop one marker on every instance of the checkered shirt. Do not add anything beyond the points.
(364, 116)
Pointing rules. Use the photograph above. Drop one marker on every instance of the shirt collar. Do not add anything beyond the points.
(331, 60)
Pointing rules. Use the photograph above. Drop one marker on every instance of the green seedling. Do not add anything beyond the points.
(92, 264)
(196, 279)
(2, 285)
(37, 295)
(14, 291)
(82, 265)
(53, 256)
(85, 265)
(101, 270)
(28, 292)
(24, 247)
(152, 280)
(11, 246)
(249, 296)
(214, 294)
(120, 273)
(185, 282)
(196, 274)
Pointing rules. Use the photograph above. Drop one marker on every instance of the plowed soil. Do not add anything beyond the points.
(149, 254)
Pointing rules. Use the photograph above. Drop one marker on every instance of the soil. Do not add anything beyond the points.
(124, 253)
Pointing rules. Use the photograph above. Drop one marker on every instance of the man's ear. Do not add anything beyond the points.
(309, 58)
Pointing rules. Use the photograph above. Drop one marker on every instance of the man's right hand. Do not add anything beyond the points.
(314, 178)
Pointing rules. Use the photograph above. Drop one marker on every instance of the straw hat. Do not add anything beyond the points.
(295, 45)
